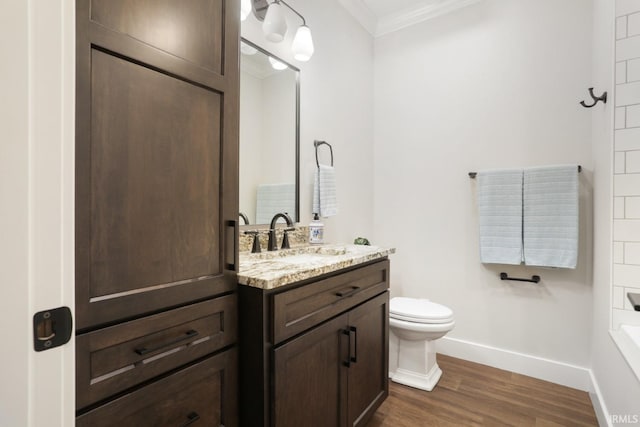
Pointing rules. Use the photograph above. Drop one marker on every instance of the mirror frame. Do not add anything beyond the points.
(297, 132)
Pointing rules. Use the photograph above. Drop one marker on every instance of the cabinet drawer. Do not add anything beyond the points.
(113, 359)
(203, 394)
(301, 308)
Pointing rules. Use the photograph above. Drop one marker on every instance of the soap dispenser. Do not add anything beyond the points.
(316, 230)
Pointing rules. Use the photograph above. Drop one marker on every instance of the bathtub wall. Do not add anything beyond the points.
(626, 165)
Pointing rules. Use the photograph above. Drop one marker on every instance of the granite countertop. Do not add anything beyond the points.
(270, 270)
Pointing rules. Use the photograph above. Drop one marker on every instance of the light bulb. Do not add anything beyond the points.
(302, 46)
(277, 65)
(245, 9)
(274, 25)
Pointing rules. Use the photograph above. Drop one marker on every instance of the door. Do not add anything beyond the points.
(368, 383)
(156, 155)
(310, 377)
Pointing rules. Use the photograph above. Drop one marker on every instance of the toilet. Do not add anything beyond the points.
(415, 325)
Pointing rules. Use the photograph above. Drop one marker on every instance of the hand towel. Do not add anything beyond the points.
(325, 201)
(551, 208)
(500, 211)
(274, 198)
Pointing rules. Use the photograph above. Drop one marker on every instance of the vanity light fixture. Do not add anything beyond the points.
(274, 27)
(302, 45)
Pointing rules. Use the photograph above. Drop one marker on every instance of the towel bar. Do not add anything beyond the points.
(472, 175)
(534, 279)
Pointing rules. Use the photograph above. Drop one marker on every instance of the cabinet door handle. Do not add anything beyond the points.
(144, 350)
(353, 358)
(233, 265)
(347, 293)
(191, 418)
(347, 362)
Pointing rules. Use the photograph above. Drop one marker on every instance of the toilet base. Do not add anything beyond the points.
(413, 363)
(417, 380)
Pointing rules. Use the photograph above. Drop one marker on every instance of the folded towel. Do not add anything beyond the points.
(500, 210)
(325, 201)
(274, 198)
(551, 216)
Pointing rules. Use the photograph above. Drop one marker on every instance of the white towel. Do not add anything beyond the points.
(325, 201)
(500, 210)
(551, 216)
(274, 198)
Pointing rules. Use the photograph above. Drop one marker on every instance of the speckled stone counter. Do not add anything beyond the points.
(270, 270)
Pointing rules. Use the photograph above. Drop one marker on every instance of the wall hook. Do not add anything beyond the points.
(602, 98)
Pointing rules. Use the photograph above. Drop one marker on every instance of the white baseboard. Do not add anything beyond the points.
(598, 403)
(533, 366)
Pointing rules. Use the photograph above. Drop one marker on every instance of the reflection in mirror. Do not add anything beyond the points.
(269, 136)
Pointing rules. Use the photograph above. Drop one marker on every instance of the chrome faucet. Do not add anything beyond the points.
(273, 245)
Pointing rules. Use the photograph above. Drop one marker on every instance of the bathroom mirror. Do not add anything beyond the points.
(269, 136)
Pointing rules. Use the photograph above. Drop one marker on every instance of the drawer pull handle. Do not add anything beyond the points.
(347, 362)
(144, 350)
(233, 266)
(353, 358)
(192, 418)
(352, 290)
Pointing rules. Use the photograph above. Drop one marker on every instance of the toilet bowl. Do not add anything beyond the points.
(415, 324)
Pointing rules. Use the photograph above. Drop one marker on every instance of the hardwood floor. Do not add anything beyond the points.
(470, 394)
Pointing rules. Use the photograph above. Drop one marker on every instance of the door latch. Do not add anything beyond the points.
(52, 328)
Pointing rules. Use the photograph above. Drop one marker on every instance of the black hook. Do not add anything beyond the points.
(602, 98)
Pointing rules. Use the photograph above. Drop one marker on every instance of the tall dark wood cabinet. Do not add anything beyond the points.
(157, 123)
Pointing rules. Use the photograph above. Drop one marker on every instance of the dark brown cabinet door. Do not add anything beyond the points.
(368, 383)
(335, 374)
(156, 155)
(310, 378)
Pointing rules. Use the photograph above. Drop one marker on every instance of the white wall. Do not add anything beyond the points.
(494, 85)
(336, 92)
(617, 388)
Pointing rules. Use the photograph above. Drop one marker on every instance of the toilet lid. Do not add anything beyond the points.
(419, 310)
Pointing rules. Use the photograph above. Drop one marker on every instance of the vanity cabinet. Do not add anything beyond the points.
(156, 210)
(315, 353)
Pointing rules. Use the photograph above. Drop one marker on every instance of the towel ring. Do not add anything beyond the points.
(316, 144)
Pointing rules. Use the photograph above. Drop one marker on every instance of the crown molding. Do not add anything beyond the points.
(362, 14)
(408, 17)
(404, 18)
